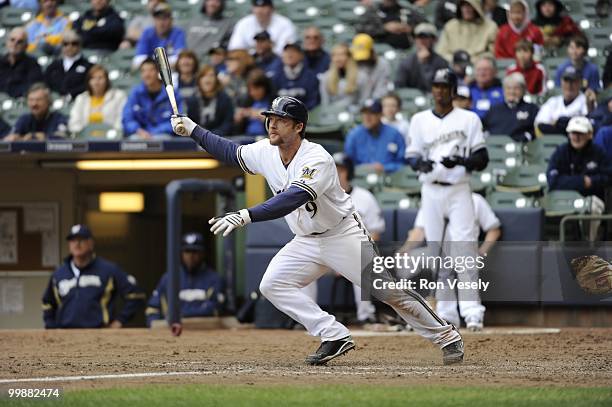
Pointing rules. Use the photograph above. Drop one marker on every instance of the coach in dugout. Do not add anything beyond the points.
(82, 291)
(201, 288)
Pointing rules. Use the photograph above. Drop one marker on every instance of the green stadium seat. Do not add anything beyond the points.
(404, 179)
(98, 131)
(527, 179)
(366, 177)
(395, 200)
(11, 116)
(126, 82)
(13, 17)
(541, 149)
(561, 203)
(507, 199)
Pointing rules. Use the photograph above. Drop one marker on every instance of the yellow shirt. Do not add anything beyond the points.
(96, 109)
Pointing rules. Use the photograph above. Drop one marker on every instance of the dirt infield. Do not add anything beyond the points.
(571, 357)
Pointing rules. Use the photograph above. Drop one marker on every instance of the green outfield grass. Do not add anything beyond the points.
(333, 395)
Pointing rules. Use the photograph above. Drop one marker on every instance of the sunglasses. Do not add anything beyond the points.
(73, 43)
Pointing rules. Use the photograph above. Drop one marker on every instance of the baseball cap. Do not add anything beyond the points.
(79, 230)
(216, 47)
(571, 74)
(425, 30)
(192, 241)
(264, 35)
(463, 92)
(579, 124)
(295, 45)
(261, 3)
(371, 105)
(162, 9)
(461, 57)
(362, 46)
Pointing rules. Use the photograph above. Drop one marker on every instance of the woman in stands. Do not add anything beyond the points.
(238, 63)
(556, 25)
(248, 119)
(186, 73)
(211, 107)
(341, 83)
(98, 104)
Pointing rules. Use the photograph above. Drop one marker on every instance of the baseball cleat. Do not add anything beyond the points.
(453, 353)
(474, 326)
(330, 350)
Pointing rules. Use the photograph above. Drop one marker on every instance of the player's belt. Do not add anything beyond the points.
(442, 183)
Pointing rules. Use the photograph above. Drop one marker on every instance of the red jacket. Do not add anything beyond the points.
(508, 37)
(535, 76)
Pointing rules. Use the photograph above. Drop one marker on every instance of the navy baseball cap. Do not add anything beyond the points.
(261, 3)
(371, 105)
(79, 230)
(192, 241)
(264, 35)
(461, 57)
(571, 74)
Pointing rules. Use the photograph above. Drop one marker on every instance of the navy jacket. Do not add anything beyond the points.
(104, 31)
(16, 79)
(270, 64)
(216, 115)
(88, 301)
(568, 167)
(516, 122)
(200, 295)
(54, 125)
(484, 99)
(152, 115)
(305, 87)
(71, 82)
(317, 61)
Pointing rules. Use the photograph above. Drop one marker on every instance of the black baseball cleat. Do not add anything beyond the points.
(330, 350)
(453, 353)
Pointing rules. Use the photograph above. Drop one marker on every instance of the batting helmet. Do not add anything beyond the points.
(343, 160)
(287, 106)
(446, 76)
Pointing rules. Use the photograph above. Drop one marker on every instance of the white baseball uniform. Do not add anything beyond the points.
(486, 220)
(446, 192)
(329, 236)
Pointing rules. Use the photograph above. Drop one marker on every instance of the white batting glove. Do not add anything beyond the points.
(187, 123)
(229, 221)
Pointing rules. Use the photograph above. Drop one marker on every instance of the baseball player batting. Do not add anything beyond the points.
(446, 144)
(329, 232)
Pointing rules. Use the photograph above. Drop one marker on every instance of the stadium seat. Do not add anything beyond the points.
(404, 179)
(507, 199)
(366, 177)
(99, 131)
(395, 199)
(13, 17)
(541, 149)
(561, 203)
(524, 178)
(332, 146)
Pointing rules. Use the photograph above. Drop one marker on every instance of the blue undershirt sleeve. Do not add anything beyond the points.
(220, 148)
(280, 205)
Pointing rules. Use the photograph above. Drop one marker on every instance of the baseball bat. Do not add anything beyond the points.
(161, 58)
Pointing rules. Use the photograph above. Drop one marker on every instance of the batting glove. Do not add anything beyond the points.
(189, 125)
(452, 162)
(229, 221)
(424, 166)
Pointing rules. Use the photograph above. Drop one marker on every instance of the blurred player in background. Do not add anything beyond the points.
(447, 143)
(329, 232)
(201, 288)
(82, 292)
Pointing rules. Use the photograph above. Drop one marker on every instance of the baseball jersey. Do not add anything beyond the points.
(368, 208)
(311, 169)
(485, 217)
(431, 137)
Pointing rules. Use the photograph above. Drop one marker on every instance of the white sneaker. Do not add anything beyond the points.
(474, 325)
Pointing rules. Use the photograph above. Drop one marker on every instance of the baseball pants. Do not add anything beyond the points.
(306, 258)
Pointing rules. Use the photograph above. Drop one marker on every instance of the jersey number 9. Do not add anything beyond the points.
(311, 207)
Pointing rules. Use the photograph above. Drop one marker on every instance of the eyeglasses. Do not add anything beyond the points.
(73, 43)
(17, 40)
(312, 37)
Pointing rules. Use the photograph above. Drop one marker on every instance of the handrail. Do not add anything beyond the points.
(567, 218)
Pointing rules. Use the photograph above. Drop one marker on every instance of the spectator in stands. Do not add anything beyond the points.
(377, 71)
(343, 82)
(556, 25)
(138, 24)
(602, 115)
(249, 118)
(606, 78)
(418, 68)
(577, 53)
(98, 104)
(209, 29)
(216, 57)
(556, 112)
(162, 34)
(390, 23)
(238, 63)
(486, 88)
(295, 79)
(66, 75)
(265, 58)
(462, 66)
(210, 107)
(147, 112)
(495, 12)
(471, 31)
(519, 27)
(263, 18)
(513, 117)
(602, 8)
(41, 123)
(315, 57)
(579, 165)
(46, 30)
(533, 72)
(392, 116)
(375, 143)
(200, 286)
(187, 67)
(83, 291)
(445, 11)
(463, 98)
(100, 27)
(18, 70)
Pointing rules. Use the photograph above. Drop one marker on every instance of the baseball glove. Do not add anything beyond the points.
(593, 274)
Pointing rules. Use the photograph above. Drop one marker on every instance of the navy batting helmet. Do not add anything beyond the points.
(446, 76)
(287, 106)
(343, 160)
